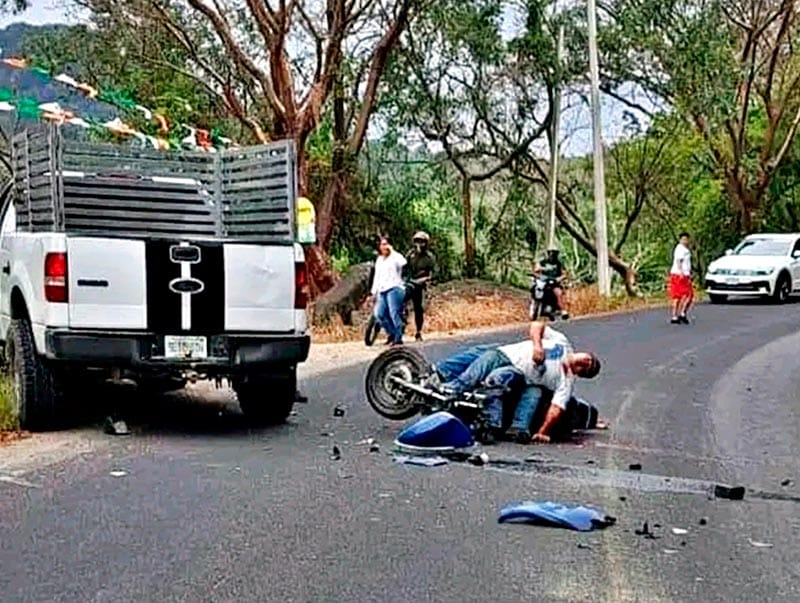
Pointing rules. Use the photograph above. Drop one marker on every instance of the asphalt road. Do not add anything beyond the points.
(208, 510)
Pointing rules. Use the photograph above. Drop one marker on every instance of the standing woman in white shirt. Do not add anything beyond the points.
(388, 291)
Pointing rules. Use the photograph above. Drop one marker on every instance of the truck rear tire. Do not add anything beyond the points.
(267, 399)
(37, 395)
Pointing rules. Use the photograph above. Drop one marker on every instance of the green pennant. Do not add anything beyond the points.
(6, 95)
(28, 108)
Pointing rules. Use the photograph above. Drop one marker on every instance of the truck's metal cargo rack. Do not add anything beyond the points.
(110, 190)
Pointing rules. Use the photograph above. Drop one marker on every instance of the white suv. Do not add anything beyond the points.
(764, 265)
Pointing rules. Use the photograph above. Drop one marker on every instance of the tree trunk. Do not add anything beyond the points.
(616, 263)
(469, 227)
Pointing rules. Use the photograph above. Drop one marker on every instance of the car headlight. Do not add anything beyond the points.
(755, 272)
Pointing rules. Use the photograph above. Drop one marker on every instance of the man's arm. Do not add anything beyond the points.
(558, 406)
(537, 334)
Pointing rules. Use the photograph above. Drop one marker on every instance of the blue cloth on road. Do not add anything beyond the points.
(580, 518)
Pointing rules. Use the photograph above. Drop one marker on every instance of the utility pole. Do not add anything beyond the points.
(601, 235)
(555, 140)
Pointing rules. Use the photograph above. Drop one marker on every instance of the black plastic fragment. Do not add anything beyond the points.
(734, 493)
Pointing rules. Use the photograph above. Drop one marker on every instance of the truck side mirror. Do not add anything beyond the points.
(728, 251)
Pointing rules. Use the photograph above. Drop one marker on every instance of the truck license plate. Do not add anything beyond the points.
(178, 346)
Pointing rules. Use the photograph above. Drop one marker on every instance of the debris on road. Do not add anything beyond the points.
(703, 521)
(635, 467)
(336, 454)
(374, 447)
(116, 427)
(580, 518)
(729, 493)
(583, 545)
(338, 411)
(478, 459)
(623, 498)
(118, 473)
(421, 461)
(645, 531)
(679, 531)
(670, 551)
(786, 482)
(759, 545)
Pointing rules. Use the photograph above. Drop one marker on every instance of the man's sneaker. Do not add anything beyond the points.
(675, 320)
(683, 320)
(520, 436)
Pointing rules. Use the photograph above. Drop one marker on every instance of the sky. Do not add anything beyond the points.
(576, 132)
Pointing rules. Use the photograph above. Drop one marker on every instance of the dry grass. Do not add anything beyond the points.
(471, 304)
(9, 427)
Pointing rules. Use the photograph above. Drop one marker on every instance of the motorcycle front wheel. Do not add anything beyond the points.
(388, 397)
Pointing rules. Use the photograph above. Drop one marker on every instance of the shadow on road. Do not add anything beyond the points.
(196, 410)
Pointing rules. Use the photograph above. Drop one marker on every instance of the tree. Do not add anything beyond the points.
(482, 99)
(729, 68)
(275, 65)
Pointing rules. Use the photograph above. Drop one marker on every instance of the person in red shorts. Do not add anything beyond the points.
(681, 290)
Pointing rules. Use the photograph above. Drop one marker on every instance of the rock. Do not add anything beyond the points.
(703, 521)
(118, 427)
(786, 482)
(635, 467)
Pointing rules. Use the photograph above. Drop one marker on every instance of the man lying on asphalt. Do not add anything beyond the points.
(543, 363)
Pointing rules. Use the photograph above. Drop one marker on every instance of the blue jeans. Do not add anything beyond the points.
(390, 312)
(452, 367)
(477, 370)
(526, 405)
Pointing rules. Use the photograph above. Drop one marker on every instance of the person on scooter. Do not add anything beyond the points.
(419, 269)
(551, 267)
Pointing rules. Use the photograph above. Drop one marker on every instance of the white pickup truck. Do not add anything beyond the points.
(131, 263)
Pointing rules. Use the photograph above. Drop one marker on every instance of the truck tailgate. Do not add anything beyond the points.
(107, 285)
(259, 286)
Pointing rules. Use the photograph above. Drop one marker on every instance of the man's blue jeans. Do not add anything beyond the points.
(479, 364)
(453, 366)
(390, 309)
(526, 406)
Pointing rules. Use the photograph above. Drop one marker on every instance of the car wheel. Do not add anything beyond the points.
(717, 299)
(38, 395)
(783, 289)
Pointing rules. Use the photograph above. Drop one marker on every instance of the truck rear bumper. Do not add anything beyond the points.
(235, 352)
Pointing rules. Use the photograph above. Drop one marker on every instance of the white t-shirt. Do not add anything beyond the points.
(551, 374)
(681, 260)
(388, 272)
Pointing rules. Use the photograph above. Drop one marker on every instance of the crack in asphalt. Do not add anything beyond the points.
(620, 479)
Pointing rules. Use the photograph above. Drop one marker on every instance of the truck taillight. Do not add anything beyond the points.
(55, 277)
(300, 286)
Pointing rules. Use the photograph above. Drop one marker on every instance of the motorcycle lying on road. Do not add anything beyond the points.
(396, 388)
(543, 299)
(373, 327)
